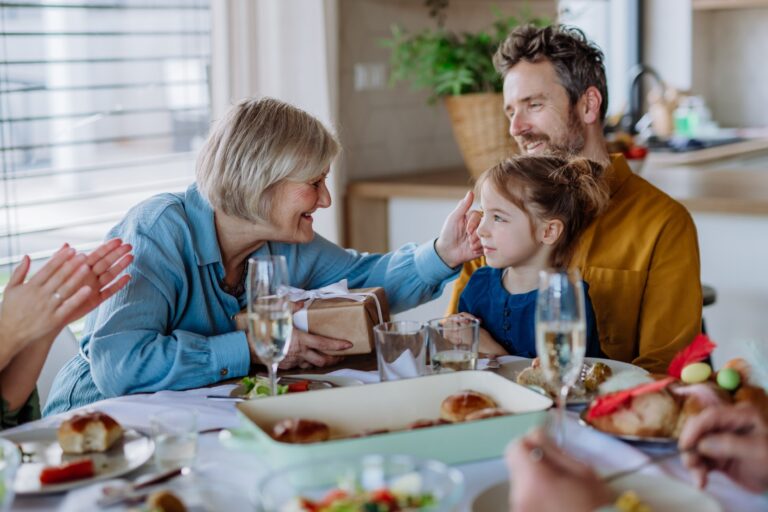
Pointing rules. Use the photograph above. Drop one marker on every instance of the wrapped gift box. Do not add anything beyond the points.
(349, 319)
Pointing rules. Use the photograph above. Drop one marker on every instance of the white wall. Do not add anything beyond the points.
(734, 252)
(667, 40)
(402, 229)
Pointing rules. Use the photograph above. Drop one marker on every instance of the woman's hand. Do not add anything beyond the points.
(308, 350)
(731, 439)
(64, 289)
(455, 243)
(545, 478)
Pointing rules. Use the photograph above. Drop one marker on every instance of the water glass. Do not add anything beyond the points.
(561, 334)
(10, 458)
(453, 343)
(174, 432)
(401, 350)
(270, 313)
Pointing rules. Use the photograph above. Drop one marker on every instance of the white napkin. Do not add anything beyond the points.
(371, 377)
(405, 367)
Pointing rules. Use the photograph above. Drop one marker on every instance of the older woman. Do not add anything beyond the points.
(260, 177)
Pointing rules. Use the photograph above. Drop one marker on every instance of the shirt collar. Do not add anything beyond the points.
(618, 172)
(202, 227)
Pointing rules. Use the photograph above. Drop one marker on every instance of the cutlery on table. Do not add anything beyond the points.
(650, 462)
(115, 495)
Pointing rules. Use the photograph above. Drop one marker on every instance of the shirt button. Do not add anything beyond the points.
(506, 312)
(224, 372)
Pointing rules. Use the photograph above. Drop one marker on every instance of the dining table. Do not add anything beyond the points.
(226, 477)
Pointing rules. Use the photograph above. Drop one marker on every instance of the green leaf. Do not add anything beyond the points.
(447, 63)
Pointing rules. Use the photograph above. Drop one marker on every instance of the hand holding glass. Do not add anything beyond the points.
(561, 334)
(270, 315)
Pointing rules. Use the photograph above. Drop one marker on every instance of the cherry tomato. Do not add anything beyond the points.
(296, 387)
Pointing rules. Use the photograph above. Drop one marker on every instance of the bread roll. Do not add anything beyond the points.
(427, 423)
(165, 501)
(482, 414)
(300, 431)
(649, 415)
(754, 395)
(456, 407)
(91, 431)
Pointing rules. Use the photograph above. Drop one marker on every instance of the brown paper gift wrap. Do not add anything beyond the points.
(347, 319)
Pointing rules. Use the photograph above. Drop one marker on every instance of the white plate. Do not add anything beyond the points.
(659, 493)
(511, 369)
(133, 450)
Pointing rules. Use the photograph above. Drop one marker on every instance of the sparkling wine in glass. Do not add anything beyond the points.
(561, 334)
(270, 315)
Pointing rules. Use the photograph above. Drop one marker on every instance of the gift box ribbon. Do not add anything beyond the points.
(338, 290)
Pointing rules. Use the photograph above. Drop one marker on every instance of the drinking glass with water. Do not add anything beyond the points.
(453, 343)
(174, 432)
(561, 334)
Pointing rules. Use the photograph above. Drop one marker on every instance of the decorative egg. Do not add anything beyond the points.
(728, 378)
(695, 373)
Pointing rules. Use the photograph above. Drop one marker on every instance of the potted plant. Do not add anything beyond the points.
(458, 68)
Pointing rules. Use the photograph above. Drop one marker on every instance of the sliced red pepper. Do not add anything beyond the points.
(76, 470)
(297, 387)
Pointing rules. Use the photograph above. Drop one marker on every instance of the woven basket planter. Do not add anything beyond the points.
(480, 130)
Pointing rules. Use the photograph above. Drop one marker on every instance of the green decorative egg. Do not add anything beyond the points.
(695, 373)
(728, 378)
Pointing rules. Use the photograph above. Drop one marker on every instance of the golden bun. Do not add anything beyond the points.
(491, 412)
(427, 423)
(755, 396)
(165, 501)
(300, 431)
(456, 407)
(92, 431)
(649, 415)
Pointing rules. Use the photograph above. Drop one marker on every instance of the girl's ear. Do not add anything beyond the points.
(552, 231)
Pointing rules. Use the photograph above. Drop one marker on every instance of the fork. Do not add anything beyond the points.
(650, 462)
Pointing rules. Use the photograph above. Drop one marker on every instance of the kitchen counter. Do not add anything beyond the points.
(719, 181)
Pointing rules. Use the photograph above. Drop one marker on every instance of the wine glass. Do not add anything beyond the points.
(270, 315)
(561, 329)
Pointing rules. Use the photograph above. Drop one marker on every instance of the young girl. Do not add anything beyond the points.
(534, 209)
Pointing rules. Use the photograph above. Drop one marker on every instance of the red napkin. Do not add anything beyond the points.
(698, 350)
(607, 404)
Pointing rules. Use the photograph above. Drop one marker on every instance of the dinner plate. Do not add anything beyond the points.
(511, 369)
(133, 450)
(658, 442)
(316, 381)
(661, 494)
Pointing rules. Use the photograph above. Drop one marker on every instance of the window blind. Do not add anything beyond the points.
(102, 104)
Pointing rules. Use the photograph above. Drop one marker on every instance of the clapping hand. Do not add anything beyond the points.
(67, 287)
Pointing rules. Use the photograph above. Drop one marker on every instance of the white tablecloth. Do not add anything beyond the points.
(232, 475)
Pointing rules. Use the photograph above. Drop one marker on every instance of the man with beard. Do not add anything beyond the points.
(640, 257)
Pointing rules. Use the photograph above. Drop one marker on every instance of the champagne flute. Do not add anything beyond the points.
(270, 315)
(561, 338)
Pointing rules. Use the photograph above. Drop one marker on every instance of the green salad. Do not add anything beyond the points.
(257, 387)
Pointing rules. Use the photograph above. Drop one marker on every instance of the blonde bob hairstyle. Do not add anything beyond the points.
(258, 144)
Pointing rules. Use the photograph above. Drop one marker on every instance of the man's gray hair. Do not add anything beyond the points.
(258, 144)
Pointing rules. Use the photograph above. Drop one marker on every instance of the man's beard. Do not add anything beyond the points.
(573, 144)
